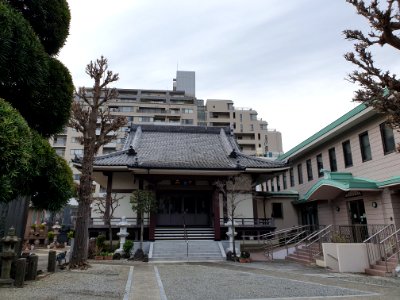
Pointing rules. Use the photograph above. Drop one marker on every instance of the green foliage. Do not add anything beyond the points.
(100, 240)
(42, 226)
(38, 86)
(70, 234)
(50, 235)
(51, 184)
(127, 247)
(244, 254)
(15, 149)
(49, 18)
(143, 201)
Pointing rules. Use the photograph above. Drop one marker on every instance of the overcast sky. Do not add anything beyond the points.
(281, 58)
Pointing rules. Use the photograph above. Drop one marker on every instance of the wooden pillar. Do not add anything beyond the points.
(217, 225)
(152, 226)
(255, 210)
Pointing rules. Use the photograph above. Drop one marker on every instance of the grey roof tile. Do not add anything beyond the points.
(182, 147)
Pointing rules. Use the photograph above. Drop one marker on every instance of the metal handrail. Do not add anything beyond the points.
(319, 232)
(394, 233)
(376, 233)
(270, 234)
(185, 235)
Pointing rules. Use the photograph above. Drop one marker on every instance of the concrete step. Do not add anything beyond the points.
(302, 260)
(178, 233)
(375, 272)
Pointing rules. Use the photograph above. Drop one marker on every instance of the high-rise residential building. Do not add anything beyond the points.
(185, 81)
(251, 132)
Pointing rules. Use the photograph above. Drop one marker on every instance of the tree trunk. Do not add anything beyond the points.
(80, 250)
(233, 237)
(141, 230)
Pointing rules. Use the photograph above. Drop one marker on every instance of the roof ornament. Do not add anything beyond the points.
(233, 154)
(238, 166)
(131, 151)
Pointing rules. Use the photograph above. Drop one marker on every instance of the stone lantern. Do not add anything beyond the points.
(231, 235)
(56, 229)
(123, 233)
(9, 246)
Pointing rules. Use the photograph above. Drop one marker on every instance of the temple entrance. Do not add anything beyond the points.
(172, 205)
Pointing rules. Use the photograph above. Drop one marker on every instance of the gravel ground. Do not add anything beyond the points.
(98, 282)
(205, 282)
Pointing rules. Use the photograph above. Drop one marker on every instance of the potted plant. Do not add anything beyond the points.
(50, 236)
(33, 228)
(42, 227)
(244, 257)
(107, 256)
(127, 248)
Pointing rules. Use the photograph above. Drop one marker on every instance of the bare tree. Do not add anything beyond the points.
(379, 89)
(233, 188)
(142, 201)
(90, 113)
(106, 208)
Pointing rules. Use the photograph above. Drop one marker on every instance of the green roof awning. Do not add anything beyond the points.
(335, 183)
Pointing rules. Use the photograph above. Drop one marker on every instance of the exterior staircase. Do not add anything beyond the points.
(379, 269)
(303, 255)
(180, 250)
(178, 233)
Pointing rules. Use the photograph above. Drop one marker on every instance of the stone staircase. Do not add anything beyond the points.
(303, 255)
(379, 269)
(175, 250)
(177, 233)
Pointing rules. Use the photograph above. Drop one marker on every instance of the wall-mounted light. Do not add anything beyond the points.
(374, 204)
(337, 208)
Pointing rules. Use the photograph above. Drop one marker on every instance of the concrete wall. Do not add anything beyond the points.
(290, 214)
(350, 258)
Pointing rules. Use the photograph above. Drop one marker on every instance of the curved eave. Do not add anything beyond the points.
(330, 189)
(265, 170)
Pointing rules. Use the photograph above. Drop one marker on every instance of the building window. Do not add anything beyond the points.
(126, 108)
(272, 185)
(291, 177)
(348, 159)
(300, 173)
(77, 177)
(365, 147)
(187, 121)
(77, 152)
(332, 159)
(309, 170)
(241, 117)
(60, 152)
(277, 211)
(278, 183)
(320, 165)
(387, 138)
(74, 140)
(253, 117)
(251, 127)
(284, 181)
(241, 127)
(187, 110)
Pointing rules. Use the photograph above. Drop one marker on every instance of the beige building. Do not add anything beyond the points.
(251, 132)
(348, 173)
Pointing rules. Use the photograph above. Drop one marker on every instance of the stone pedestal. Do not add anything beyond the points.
(7, 256)
(231, 235)
(123, 233)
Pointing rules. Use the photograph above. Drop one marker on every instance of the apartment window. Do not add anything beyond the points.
(320, 165)
(187, 110)
(284, 181)
(126, 108)
(187, 121)
(300, 173)
(348, 159)
(77, 177)
(365, 147)
(332, 159)
(230, 106)
(309, 170)
(387, 138)
(129, 118)
(146, 119)
(278, 183)
(251, 127)
(253, 117)
(241, 127)
(291, 177)
(241, 117)
(277, 211)
(76, 152)
(74, 140)
(259, 137)
(264, 126)
(60, 151)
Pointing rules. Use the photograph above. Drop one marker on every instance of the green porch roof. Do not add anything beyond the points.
(323, 131)
(339, 181)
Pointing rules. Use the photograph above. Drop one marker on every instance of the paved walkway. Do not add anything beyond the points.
(224, 280)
